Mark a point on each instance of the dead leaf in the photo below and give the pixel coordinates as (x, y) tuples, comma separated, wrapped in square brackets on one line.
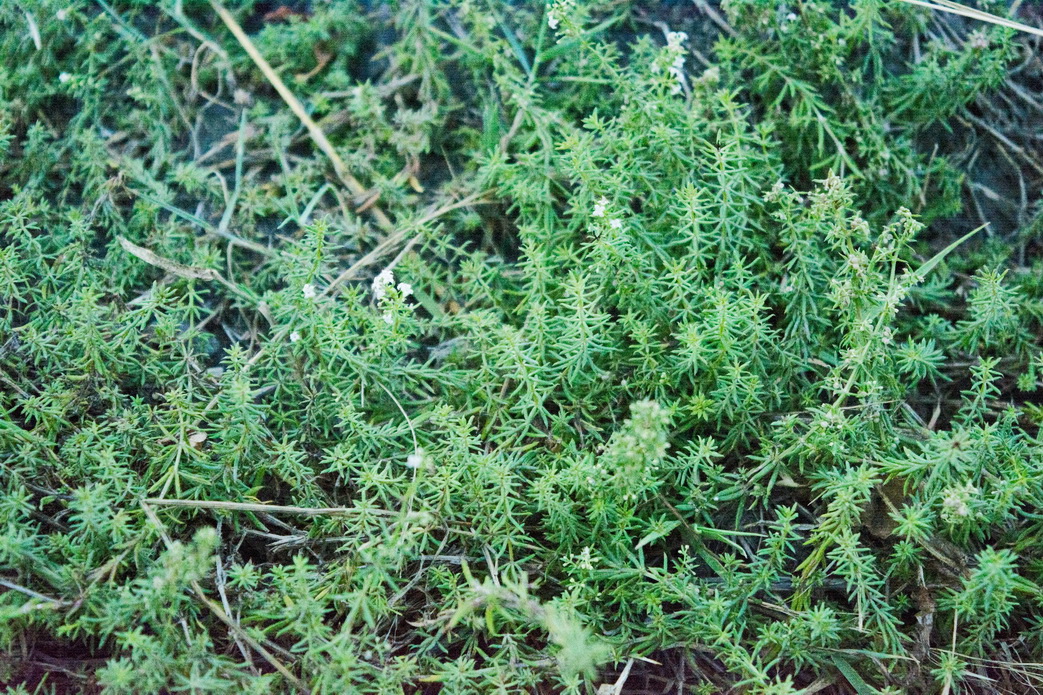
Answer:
[(266, 312), (322, 59), (172, 267), (369, 203), (877, 515), (282, 14)]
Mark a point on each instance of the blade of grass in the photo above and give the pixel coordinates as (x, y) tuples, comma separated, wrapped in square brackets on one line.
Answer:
[(929, 265), (204, 225)]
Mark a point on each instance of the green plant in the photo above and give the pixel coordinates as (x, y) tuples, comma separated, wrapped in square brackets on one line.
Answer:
[(480, 346)]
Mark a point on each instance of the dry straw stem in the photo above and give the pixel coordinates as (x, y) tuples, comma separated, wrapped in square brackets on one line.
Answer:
[(189, 272), (319, 137), (271, 508), (964, 11)]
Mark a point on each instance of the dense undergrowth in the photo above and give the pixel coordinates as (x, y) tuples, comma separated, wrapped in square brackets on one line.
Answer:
[(562, 349)]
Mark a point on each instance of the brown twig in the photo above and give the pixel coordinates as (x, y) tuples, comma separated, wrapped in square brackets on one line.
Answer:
[(715, 17)]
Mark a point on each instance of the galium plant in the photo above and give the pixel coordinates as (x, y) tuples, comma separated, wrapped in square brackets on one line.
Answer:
[(477, 347)]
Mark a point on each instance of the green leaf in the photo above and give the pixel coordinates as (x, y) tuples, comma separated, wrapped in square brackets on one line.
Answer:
[(852, 677), (663, 529)]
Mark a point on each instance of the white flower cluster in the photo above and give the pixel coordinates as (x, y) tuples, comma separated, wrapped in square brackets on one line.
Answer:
[(675, 46), (386, 279), (956, 504), (599, 207), (557, 11), (979, 40), (776, 192), (672, 58), (381, 283), (585, 560), (416, 459), (600, 212)]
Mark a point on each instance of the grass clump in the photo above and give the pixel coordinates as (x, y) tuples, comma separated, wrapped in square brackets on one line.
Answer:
[(487, 347)]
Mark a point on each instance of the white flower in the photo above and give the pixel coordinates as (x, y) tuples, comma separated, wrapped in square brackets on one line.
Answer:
[(382, 282), (676, 38), (405, 288), (955, 505), (294, 337), (775, 191), (64, 77), (675, 51), (416, 459), (309, 291), (558, 11), (791, 17), (586, 559), (386, 277), (388, 318), (599, 208), (62, 14), (615, 224)]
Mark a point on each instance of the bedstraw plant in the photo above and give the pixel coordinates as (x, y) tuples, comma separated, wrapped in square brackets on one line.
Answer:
[(467, 346)]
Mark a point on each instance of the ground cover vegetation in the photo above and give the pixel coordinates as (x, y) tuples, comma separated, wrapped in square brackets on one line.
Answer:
[(465, 346)]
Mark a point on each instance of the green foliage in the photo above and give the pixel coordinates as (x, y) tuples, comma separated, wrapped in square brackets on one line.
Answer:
[(652, 361)]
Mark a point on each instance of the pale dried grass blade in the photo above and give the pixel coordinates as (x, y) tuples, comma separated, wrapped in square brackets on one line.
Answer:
[(972, 13)]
